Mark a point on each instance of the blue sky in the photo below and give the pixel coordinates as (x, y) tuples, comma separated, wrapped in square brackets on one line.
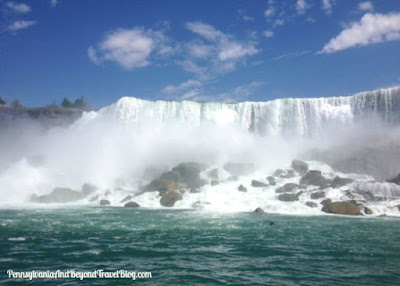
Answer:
[(196, 50)]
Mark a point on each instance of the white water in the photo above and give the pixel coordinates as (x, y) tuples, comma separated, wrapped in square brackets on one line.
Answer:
[(111, 148)]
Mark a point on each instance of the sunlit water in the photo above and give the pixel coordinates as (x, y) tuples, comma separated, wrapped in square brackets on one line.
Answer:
[(183, 247)]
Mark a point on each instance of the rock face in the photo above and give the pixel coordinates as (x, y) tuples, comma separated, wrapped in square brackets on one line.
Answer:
[(326, 201), (343, 208), (105, 203), (288, 197), (271, 180), (59, 195), (239, 169), (340, 182), (300, 167), (315, 178), (259, 210), (242, 188), (311, 204), (368, 211), (289, 187), (169, 199), (127, 198), (395, 180), (131, 205), (317, 195), (258, 184)]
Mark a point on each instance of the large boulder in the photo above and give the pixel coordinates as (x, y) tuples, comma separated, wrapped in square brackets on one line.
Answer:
[(169, 199), (127, 198), (278, 173), (258, 184), (368, 211), (317, 195), (87, 189), (288, 197), (311, 204), (131, 205), (289, 187), (239, 169), (315, 178), (59, 195), (343, 208), (189, 174), (271, 180), (340, 182), (213, 174), (160, 185), (105, 202), (300, 167), (242, 188), (289, 173), (259, 210), (395, 180)]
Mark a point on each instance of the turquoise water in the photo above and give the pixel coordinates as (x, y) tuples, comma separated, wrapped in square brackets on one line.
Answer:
[(200, 248)]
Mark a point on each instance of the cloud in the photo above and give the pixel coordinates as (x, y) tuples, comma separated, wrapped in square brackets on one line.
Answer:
[(365, 6), (301, 7), (130, 48), (18, 8), (327, 6), (371, 29), (268, 33), (247, 89), (291, 55), (244, 16), (206, 31), (271, 9), (173, 89), (54, 3), (20, 25)]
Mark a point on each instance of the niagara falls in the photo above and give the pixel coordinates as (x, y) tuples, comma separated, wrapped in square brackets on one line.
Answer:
[(201, 143)]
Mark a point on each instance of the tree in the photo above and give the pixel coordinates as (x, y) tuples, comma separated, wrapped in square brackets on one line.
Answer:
[(66, 103), (16, 104), (2, 102)]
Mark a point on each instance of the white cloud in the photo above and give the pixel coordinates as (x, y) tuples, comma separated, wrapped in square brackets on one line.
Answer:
[(268, 33), (269, 12), (130, 48), (18, 8), (365, 6), (279, 22), (20, 25), (199, 50), (372, 28), (173, 89), (244, 16), (206, 31), (291, 55), (230, 50), (301, 6), (327, 6), (54, 3), (247, 89)]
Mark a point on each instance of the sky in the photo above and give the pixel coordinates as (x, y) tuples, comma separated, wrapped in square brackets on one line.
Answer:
[(225, 50)]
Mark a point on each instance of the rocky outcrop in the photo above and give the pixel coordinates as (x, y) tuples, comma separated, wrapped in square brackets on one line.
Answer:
[(127, 198), (395, 180), (160, 185), (286, 197), (311, 204), (340, 182), (242, 188), (259, 210), (271, 181), (300, 167), (317, 195), (284, 174), (278, 173), (239, 169), (169, 199), (343, 208), (326, 201), (315, 178), (58, 195), (289, 187), (258, 184), (105, 202), (131, 205), (368, 211)]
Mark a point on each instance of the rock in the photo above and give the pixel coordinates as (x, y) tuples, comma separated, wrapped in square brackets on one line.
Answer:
[(242, 188), (87, 189), (271, 180), (214, 182), (288, 197), (286, 188), (105, 202), (169, 199), (190, 174), (258, 184), (343, 208), (315, 178), (278, 173), (95, 198), (131, 205), (289, 173), (162, 186), (326, 201), (194, 191), (213, 174), (303, 187), (199, 205), (59, 195), (259, 210), (340, 182), (311, 204), (300, 167), (317, 195), (239, 169), (395, 180), (398, 207), (127, 198), (368, 211)]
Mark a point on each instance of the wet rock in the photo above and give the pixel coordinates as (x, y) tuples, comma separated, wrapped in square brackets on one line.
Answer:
[(127, 198), (286, 197), (398, 207), (311, 204), (160, 185), (190, 174), (169, 199), (317, 195), (87, 189), (239, 169), (278, 173), (58, 195), (213, 174), (395, 180), (271, 180), (289, 173), (131, 205), (105, 202), (300, 167), (289, 187), (343, 208), (259, 210), (258, 184), (194, 191), (340, 182), (95, 198), (368, 211), (242, 188), (315, 178), (326, 201), (214, 182)]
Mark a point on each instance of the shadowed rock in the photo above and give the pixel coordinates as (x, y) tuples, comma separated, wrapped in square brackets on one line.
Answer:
[(317, 195), (368, 211), (311, 204), (258, 184), (300, 167), (127, 198), (340, 182), (259, 210), (131, 205), (213, 174), (271, 180), (326, 201), (105, 203), (315, 178), (169, 199), (214, 182), (288, 197), (87, 189), (242, 188), (343, 208), (289, 187), (395, 180)]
